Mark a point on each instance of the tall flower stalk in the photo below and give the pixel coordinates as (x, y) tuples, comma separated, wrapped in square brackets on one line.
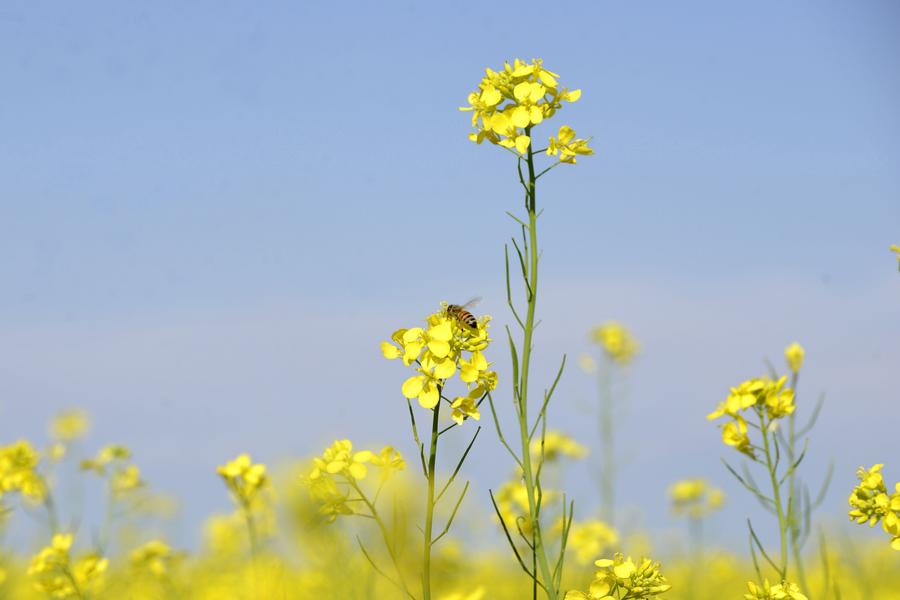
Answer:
[(505, 108), (447, 345), (619, 349)]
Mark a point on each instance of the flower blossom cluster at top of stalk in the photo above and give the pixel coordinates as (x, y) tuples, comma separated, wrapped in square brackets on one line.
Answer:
[(616, 341), (871, 503), (780, 591), (53, 571), (339, 470), (18, 472), (794, 355), (695, 498), (439, 350), (621, 578), (509, 102), (244, 479), (896, 248), (767, 397)]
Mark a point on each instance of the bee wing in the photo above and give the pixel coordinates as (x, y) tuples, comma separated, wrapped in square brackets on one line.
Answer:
[(471, 303)]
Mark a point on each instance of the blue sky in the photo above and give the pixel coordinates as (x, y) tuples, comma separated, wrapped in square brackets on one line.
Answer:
[(210, 216)]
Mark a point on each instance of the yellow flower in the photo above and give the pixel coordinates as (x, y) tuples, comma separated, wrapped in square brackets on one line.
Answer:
[(439, 351), (509, 102), (390, 460), (243, 478), (70, 425), (105, 457), (125, 480), (465, 407), (591, 538), (621, 577), (154, 557), (794, 355), (339, 458), (18, 472), (781, 591), (695, 497), (895, 248), (54, 573), (870, 503), (734, 434), (558, 444), (567, 146), (616, 341)]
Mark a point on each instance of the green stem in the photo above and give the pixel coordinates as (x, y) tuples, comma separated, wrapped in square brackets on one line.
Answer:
[(528, 475), (429, 506), (607, 476), (794, 517), (776, 494)]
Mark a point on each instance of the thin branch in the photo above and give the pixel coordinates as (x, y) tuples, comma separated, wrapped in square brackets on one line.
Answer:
[(796, 464), (761, 549), (412, 418), (458, 467), (753, 490), (452, 515), (548, 394), (813, 417), (500, 433), (382, 573), (513, 544)]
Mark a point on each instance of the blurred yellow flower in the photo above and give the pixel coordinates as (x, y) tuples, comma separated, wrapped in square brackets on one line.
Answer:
[(895, 248), (617, 342), (154, 557), (781, 591), (70, 425), (243, 478), (557, 445), (54, 573), (18, 472), (339, 458), (588, 539), (794, 355), (695, 498)]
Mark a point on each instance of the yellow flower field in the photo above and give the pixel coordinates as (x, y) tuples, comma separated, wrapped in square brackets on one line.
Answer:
[(396, 520)]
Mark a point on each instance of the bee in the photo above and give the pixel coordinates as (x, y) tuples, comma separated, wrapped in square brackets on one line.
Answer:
[(462, 315)]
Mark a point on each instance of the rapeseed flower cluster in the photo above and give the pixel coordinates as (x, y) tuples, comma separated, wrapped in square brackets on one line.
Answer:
[(765, 396), (558, 445), (113, 462), (794, 355), (336, 474), (509, 102), (18, 472), (70, 425), (621, 578), (895, 248), (55, 573), (154, 557), (244, 479), (588, 539), (871, 503), (695, 498), (617, 342), (780, 591), (440, 350)]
